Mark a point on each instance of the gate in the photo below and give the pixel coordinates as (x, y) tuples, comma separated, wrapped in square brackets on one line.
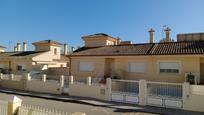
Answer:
[(125, 91), (164, 94), (3, 107)]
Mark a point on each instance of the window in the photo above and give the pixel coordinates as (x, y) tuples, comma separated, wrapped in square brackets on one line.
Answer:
[(86, 66), (55, 51), (137, 67), (169, 67), (20, 67)]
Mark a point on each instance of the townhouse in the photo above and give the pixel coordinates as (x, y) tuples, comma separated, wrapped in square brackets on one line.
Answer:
[(104, 56), (47, 54)]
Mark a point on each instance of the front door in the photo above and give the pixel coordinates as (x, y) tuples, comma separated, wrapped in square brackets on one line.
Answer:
[(202, 73), (109, 67)]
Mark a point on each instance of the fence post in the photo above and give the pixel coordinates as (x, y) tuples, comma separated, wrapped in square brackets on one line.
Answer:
[(27, 76), (44, 78), (71, 79), (108, 87), (11, 77), (185, 90), (142, 92), (1, 76), (62, 80), (88, 81)]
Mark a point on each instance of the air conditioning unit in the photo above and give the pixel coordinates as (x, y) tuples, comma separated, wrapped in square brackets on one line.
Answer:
[(192, 78)]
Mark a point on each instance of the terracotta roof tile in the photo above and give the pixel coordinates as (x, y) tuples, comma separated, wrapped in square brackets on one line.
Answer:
[(134, 49), (168, 48), (178, 48)]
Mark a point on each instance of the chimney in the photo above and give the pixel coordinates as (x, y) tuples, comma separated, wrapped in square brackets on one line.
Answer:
[(151, 35), (18, 47), (25, 45), (72, 49), (118, 41), (65, 49), (15, 49), (167, 31)]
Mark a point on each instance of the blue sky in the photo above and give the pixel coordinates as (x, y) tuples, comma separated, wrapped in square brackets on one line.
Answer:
[(68, 20)]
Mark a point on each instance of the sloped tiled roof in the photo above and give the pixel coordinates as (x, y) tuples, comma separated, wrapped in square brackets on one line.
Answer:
[(168, 48), (134, 49), (17, 54), (47, 41), (96, 35), (175, 48)]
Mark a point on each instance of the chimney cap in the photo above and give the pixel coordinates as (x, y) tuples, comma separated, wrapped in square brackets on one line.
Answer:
[(167, 29), (151, 30)]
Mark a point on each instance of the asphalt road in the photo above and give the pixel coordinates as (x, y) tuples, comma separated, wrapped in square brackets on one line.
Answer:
[(92, 107), (74, 107)]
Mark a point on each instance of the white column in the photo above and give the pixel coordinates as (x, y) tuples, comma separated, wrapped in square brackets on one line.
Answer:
[(27, 76), (108, 87), (62, 80), (1, 76), (44, 78), (71, 79), (186, 90), (88, 81), (142, 92), (11, 77)]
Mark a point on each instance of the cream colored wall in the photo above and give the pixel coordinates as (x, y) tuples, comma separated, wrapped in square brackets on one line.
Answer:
[(2, 50), (15, 61), (99, 41), (50, 51), (44, 87), (42, 48), (83, 90), (98, 67), (5, 63), (57, 64), (58, 56), (194, 101), (47, 56), (95, 43), (188, 64), (26, 62), (12, 84)]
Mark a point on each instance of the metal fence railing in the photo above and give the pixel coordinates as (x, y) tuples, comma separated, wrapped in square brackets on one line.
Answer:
[(15, 77), (37, 110), (3, 107), (80, 80), (171, 90), (127, 86)]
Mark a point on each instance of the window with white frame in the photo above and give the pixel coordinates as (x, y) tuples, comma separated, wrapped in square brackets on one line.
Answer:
[(169, 67), (137, 67), (86, 66)]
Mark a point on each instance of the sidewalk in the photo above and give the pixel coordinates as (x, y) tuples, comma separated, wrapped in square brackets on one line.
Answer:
[(119, 107)]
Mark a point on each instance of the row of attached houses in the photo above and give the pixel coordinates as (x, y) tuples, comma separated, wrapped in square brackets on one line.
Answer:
[(47, 54), (105, 56)]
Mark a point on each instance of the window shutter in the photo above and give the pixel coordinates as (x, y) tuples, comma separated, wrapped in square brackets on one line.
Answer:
[(86, 66)]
